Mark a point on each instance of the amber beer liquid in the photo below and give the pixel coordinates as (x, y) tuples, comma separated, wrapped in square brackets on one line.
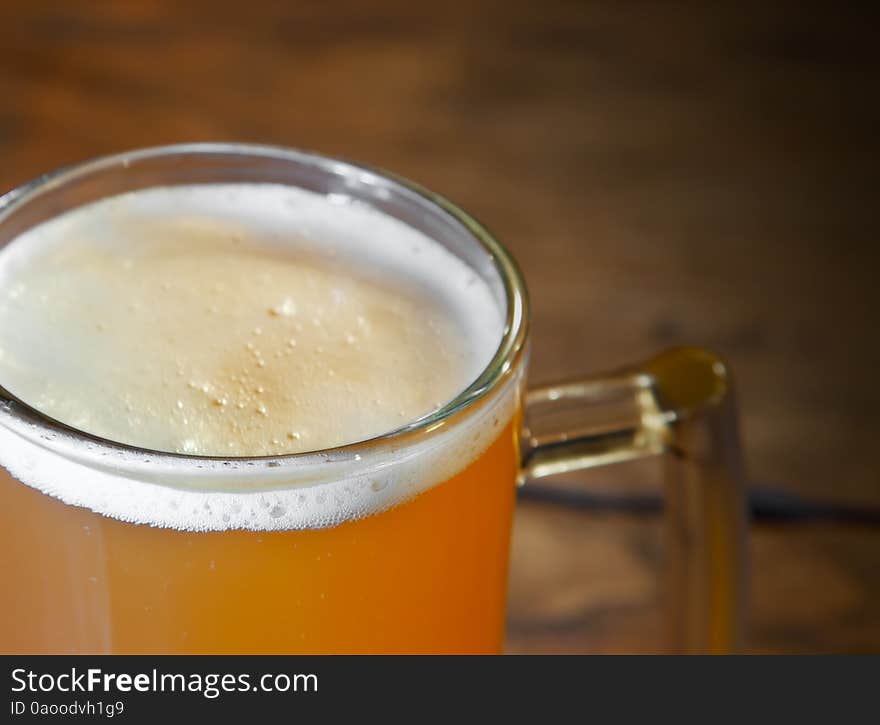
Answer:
[(223, 365)]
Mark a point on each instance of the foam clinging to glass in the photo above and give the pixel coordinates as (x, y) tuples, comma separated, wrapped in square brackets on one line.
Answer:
[(238, 320)]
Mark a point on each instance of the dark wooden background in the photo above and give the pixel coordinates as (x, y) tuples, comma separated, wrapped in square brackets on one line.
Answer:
[(698, 173)]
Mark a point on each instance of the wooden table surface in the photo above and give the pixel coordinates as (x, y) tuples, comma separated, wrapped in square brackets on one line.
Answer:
[(665, 173)]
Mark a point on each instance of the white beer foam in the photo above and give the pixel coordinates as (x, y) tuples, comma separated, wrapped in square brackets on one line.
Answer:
[(238, 320), (89, 338)]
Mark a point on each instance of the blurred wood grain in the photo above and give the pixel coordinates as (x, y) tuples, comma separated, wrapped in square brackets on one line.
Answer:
[(699, 173)]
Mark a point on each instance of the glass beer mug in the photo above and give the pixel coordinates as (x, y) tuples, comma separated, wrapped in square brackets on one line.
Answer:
[(399, 543)]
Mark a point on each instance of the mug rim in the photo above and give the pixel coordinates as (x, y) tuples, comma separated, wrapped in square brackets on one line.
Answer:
[(500, 368)]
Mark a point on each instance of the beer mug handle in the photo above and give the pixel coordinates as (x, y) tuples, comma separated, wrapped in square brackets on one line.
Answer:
[(680, 404)]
